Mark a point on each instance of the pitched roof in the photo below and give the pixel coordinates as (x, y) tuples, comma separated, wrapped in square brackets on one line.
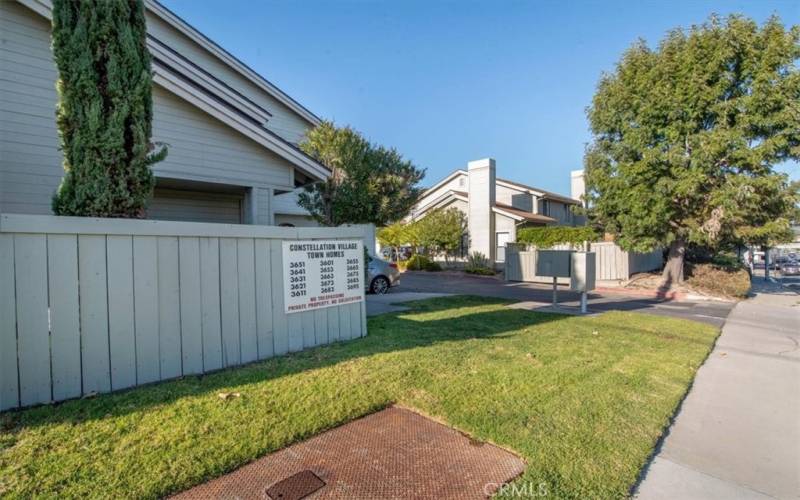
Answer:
[(544, 194), (528, 216), (229, 59), (539, 192), (184, 78)]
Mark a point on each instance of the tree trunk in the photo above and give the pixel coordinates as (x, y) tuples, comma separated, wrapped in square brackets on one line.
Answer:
[(673, 271)]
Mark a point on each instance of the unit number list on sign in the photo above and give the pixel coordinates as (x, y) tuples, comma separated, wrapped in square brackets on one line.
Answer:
[(322, 273)]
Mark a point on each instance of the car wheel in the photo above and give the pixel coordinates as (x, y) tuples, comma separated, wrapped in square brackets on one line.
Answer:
[(379, 285)]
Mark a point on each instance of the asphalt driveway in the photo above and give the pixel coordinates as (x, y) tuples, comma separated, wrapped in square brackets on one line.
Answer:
[(711, 312)]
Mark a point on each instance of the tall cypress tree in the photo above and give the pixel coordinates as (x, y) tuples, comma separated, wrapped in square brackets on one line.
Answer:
[(105, 108)]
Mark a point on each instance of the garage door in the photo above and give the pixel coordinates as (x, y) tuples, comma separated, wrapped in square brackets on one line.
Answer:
[(195, 206)]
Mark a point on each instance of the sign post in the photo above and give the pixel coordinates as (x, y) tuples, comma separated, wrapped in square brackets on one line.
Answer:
[(322, 273)]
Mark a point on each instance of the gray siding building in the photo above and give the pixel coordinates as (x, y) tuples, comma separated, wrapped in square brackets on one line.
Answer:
[(232, 135)]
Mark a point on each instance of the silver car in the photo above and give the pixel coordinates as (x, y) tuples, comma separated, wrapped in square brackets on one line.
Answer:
[(381, 275), (790, 268)]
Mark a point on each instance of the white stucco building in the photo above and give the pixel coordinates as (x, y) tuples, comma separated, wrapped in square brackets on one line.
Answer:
[(495, 207)]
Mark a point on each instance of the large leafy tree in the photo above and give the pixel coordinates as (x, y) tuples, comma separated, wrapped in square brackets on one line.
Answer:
[(395, 235), (368, 183), (105, 108), (686, 137), (441, 230)]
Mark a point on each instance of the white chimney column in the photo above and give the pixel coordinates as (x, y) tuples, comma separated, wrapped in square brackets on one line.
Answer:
[(577, 184), (481, 200)]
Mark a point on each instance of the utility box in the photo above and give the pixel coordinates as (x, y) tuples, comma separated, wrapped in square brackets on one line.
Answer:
[(554, 263), (583, 271)]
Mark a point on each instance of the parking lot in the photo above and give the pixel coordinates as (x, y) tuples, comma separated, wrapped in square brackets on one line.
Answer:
[(712, 312)]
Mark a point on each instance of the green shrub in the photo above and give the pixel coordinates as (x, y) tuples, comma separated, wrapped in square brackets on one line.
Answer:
[(717, 280), (727, 261), (477, 259), (549, 236), (482, 271), (419, 262), (432, 266), (477, 263), (105, 108)]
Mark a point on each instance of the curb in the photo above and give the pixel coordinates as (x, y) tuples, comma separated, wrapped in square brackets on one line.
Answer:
[(650, 294)]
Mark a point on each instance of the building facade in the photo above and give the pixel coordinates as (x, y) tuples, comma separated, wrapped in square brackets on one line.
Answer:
[(495, 208), (232, 135)]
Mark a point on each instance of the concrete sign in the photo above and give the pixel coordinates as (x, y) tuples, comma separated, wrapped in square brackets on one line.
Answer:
[(322, 273)]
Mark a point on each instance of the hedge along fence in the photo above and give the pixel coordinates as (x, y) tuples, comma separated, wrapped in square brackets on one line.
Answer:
[(96, 305)]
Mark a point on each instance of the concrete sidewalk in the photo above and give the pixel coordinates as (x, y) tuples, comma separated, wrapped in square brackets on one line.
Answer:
[(737, 434)]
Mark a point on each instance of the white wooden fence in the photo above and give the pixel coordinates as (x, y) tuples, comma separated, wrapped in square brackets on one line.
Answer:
[(521, 265), (96, 305), (612, 263)]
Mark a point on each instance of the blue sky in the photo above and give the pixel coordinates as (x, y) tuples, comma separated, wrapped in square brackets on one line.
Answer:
[(449, 82)]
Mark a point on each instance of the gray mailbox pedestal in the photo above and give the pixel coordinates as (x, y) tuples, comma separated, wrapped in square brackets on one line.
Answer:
[(582, 277), (555, 263)]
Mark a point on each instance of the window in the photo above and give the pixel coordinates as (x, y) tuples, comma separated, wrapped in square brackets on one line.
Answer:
[(461, 181), (463, 247), (501, 239), (546, 207)]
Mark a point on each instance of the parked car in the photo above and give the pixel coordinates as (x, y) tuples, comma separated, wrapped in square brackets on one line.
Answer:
[(778, 262), (392, 255), (790, 268), (381, 275)]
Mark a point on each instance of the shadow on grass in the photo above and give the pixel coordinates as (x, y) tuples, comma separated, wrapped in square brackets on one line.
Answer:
[(387, 333)]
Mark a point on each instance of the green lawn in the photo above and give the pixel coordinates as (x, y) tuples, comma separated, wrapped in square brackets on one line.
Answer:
[(582, 399)]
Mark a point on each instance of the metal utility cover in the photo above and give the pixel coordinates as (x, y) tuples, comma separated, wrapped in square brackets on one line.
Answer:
[(394, 453), (296, 486)]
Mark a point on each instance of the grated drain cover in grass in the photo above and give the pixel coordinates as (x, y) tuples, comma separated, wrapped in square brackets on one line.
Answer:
[(296, 486), (394, 453)]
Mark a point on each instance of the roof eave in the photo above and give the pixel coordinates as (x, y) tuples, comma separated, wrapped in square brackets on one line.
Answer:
[(271, 141), (229, 59)]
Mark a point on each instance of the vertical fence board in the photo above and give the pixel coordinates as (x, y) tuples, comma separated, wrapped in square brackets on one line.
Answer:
[(145, 300), (121, 334), (65, 325), (9, 383), (344, 322), (263, 298), (92, 273), (355, 319), (321, 326), (247, 299), (209, 298), (229, 301), (280, 326), (191, 313), (295, 331), (33, 335), (333, 324), (307, 318), (169, 307), (363, 307)]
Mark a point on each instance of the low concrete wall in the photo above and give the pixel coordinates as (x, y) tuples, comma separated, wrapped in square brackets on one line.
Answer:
[(95, 305)]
